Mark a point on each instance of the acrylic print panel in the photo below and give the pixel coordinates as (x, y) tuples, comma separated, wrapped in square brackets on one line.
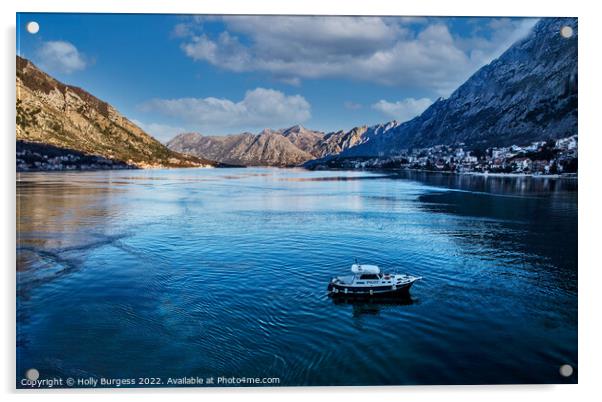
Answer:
[(222, 201)]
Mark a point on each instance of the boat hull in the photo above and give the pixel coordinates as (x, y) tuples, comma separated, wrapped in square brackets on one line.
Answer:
[(337, 290)]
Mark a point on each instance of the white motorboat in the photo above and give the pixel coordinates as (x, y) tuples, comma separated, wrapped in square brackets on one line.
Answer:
[(368, 280)]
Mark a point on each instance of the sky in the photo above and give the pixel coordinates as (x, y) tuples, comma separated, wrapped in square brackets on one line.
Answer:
[(221, 75)]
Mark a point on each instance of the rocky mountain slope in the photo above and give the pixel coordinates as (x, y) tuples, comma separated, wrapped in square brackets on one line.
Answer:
[(284, 147), (67, 117), (339, 141), (528, 94), (303, 138), (268, 148)]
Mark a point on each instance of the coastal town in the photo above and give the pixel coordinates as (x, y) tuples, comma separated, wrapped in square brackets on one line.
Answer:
[(552, 157), (44, 157)]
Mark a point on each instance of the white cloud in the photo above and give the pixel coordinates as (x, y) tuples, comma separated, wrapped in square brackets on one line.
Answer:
[(504, 32), (259, 108), (60, 56), (161, 132), (385, 50), (403, 110)]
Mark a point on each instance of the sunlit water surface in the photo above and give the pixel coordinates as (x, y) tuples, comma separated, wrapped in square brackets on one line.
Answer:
[(223, 272)]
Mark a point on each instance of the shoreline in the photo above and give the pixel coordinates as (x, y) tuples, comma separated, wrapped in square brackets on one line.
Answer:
[(510, 175), (534, 176), (569, 176)]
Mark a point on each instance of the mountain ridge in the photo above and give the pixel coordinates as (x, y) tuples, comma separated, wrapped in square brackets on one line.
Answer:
[(268, 148), (68, 117), (307, 144), (529, 93)]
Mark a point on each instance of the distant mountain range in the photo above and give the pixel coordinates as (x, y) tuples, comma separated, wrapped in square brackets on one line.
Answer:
[(283, 147), (528, 94), (266, 148), (67, 118)]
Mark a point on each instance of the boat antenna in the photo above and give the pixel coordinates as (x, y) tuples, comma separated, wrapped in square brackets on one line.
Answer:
[(356, 261)]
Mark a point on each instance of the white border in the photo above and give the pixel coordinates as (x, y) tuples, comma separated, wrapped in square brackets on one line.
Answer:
[(349, 7), (590, 145)]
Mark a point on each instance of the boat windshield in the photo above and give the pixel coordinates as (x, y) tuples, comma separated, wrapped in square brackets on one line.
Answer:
[(368, 276)]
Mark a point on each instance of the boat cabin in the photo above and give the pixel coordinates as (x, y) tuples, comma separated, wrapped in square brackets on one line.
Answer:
[(367, 274), (365, 269)]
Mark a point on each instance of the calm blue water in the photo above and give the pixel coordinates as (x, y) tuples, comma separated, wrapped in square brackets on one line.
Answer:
[(222, 272)]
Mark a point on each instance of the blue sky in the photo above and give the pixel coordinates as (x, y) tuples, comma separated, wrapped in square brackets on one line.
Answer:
[(220, 75)]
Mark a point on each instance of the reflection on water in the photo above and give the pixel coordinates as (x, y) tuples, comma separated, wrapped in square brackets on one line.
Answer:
[(373, 305), (509, 185), (211, 272), (336, 178)]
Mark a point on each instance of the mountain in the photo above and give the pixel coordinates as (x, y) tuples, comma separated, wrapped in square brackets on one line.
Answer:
[(66, 117), (268, 148), (339, 141), (284, 147), (303, 138), (528, 94)]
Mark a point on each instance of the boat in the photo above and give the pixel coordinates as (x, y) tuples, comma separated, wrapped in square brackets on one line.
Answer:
[(368, 280)]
